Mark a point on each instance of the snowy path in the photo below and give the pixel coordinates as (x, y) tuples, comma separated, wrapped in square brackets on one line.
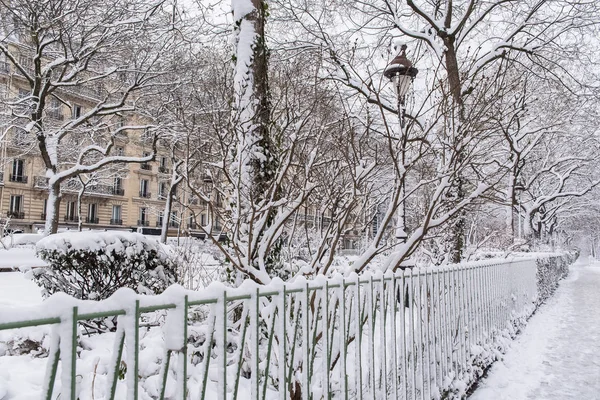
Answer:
[(558, 354)]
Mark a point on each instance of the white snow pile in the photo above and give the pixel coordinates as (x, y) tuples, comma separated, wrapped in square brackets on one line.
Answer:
[(21, 240)]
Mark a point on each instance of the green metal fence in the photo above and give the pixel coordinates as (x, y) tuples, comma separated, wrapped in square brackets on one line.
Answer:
[(415, 334)]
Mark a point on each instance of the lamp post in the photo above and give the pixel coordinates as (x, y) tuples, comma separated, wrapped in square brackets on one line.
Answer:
[(401, 72)]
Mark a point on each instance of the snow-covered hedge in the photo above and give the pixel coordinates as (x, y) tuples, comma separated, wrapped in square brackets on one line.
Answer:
[(550, 271), (93, 265)]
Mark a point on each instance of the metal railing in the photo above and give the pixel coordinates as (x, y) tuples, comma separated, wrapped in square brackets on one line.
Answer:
[(406, 335), (15, 214), (18, 178), (74, 185)]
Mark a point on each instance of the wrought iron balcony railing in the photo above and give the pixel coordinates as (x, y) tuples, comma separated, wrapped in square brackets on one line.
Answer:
[(18, 178), (16, 214)]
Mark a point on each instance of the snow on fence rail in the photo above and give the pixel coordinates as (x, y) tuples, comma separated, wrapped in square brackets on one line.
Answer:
[(415, 334)]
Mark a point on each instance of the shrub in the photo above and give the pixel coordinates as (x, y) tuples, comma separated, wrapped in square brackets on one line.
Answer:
[(93, 265), (550, 271)]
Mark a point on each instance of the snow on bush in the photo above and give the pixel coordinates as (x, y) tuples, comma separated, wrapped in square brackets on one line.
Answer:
[(550, 271), (93, 265)]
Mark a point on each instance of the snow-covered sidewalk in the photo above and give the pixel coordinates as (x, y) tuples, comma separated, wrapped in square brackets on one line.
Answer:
[(558, 354)]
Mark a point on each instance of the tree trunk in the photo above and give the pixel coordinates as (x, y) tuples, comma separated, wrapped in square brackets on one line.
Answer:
[(459, 223), (166, 216), (264, 169), (79, 198), (52, 208)]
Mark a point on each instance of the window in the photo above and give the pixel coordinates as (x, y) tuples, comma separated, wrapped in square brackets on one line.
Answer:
[(144, 184), (24, 101), (173, 221), (71, 211), (20, 137), (203, 219), (159, 221), (3, 90), (18, 171), (26, 62), (77, 111), (16, 206), (119, 151), (92, 217), (54, 111), (116, 215), (162, 190), (118, 186), (3, 64), (143, 217), (145, 165), (163, 162), (44, 210)]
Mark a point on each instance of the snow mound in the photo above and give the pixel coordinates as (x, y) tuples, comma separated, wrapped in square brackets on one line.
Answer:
[(21, 239)]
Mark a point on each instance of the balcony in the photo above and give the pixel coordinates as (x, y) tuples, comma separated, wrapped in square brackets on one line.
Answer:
[(192, 225), (16, 214), (146, 167), (162, 196), (143, 222), (18, 178), (145, 195), (71, 218), (116, 222), (158, 223), (163, 170), (87, 91), (74, 185), (91, 220), (173, 224)]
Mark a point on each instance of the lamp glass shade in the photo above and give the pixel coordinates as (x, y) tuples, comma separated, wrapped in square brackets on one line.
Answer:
[(403, 84)]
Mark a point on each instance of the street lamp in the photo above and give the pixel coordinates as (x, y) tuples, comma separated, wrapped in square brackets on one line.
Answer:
[(402, 73)]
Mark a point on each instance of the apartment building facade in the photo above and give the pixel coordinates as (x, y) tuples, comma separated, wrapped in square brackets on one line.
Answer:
[(126, 196)]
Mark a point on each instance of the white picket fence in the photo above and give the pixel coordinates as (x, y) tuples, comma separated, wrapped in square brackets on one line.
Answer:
[(414, 334)]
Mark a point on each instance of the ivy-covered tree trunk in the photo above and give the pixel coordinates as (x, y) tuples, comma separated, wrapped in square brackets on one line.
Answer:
[(255, 163)]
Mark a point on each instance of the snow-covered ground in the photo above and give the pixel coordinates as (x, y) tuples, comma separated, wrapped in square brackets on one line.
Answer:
[(558, 354), (19, 257), (17, 290)]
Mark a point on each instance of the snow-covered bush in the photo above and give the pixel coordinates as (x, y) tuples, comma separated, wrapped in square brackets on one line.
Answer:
[(550, 270), (93, 265)]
